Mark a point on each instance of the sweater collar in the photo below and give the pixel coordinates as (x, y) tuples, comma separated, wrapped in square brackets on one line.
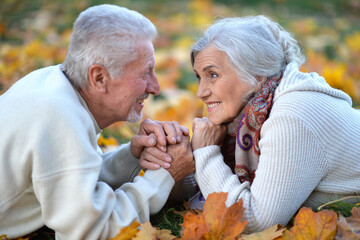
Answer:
[(83, 103)]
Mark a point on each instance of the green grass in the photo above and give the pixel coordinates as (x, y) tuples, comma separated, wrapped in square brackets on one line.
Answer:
[(169, 218)]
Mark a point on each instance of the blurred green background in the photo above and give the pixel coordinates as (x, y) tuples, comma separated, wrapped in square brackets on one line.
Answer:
[(35, 33)]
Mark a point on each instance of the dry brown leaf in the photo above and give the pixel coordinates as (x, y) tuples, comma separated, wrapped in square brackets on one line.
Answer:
[(349, 228), (147, 232), (309, 225), (268, 234), (216, 221), (164, 234), (127, 233)]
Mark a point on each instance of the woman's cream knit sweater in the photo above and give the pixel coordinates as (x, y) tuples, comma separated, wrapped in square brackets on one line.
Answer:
[(310, 153)]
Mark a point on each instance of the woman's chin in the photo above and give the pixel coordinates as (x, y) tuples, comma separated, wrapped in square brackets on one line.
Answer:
[(217, 121)]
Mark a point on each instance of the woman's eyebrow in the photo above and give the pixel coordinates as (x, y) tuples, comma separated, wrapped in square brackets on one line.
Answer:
[(210, 66)]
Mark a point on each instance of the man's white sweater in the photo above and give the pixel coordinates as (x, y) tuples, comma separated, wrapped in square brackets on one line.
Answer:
[(51, 172), (309, 154)]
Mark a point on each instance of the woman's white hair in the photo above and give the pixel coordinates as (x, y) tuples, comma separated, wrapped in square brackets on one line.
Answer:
[(255, 45), (106, 35)]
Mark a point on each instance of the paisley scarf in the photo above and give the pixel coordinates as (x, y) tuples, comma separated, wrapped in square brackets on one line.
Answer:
[(245, 131)]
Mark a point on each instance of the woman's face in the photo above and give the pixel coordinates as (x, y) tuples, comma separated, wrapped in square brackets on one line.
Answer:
[(220, 87)]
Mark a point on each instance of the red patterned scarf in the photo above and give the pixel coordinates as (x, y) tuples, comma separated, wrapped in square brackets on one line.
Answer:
[(245, 130)]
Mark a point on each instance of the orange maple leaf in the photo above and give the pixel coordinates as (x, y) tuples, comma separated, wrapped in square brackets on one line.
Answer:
[(216, 221), (349, 228), (310, 225)]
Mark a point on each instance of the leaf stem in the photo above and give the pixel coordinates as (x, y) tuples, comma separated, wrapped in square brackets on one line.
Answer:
[(337, 200)]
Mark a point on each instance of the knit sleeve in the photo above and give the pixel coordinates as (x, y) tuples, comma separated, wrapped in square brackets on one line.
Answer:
[(115, 162), (65, 178), (291, 165)]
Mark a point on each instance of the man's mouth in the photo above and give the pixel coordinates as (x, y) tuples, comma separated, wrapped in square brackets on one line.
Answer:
[(141, 99)]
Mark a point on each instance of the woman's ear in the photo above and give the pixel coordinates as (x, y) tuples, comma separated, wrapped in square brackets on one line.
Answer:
[(261, 79), (259, 82), (98, 77)]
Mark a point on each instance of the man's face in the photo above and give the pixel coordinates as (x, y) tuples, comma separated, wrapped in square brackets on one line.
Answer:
[(128, 91)]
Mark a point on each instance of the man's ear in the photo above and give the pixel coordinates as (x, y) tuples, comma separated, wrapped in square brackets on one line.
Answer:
[(98, 77)]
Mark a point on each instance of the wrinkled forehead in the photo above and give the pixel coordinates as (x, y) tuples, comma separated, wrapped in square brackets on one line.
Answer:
[(210, 56)]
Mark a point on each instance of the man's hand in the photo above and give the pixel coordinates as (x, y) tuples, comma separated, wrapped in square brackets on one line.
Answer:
[(205, 133), (164, 132), (182, 159), (153, 157)]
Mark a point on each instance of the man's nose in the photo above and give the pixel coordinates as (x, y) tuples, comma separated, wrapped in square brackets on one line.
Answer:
[(153, 86)]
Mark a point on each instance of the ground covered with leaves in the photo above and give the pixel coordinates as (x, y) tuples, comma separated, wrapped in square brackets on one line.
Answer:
[(218, 222)]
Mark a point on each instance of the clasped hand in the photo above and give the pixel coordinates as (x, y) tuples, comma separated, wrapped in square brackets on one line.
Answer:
[(167, 144)]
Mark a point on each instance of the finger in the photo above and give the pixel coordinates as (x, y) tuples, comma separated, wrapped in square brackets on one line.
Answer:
[(145, 141), (149, 127), (194, 123), (185, 131), (158, 154), (138, 142), (147, 157), (169, 131), (148, 165), (178, 131)]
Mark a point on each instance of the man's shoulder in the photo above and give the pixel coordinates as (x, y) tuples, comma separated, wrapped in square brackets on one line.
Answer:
[(44, 94)]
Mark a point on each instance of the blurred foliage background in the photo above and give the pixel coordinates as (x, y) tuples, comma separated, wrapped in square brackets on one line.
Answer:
[(35, 33)]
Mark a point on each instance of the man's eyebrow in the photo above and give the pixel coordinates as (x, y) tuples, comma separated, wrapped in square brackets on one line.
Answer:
[(210, 66)]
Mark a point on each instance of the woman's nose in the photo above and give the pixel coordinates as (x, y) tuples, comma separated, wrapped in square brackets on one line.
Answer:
[(203, 90)]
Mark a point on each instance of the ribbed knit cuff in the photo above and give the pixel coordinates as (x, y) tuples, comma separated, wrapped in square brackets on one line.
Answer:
[(126, 152), (209, 169), (202, 155), (161, 178)]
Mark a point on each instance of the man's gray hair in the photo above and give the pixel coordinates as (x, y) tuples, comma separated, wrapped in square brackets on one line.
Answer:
[(255, 45), (106, 35)]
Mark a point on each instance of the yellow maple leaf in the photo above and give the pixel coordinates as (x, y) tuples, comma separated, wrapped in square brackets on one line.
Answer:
[(127, 233), (164, 234), (268, 234), (147, 232), (216, 221), (310, 225)]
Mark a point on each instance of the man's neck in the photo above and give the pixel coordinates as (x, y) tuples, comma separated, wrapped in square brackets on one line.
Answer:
[(95, 108)]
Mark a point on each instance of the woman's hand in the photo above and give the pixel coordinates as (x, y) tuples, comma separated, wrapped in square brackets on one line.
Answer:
[(205, 133)]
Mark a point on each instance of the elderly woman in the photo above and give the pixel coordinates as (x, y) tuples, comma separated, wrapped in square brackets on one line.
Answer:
[(275, 137)]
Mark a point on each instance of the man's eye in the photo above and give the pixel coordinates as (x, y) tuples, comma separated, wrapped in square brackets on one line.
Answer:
[(214, 75), (198, 77)]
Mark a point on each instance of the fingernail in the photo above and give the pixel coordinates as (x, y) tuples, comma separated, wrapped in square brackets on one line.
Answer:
[(173, 139), (178, 138), (156, 166), (168, 159), (152, 141), (166, 165), (163, 148)]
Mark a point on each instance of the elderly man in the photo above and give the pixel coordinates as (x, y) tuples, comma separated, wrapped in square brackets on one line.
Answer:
[(51, 170)]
